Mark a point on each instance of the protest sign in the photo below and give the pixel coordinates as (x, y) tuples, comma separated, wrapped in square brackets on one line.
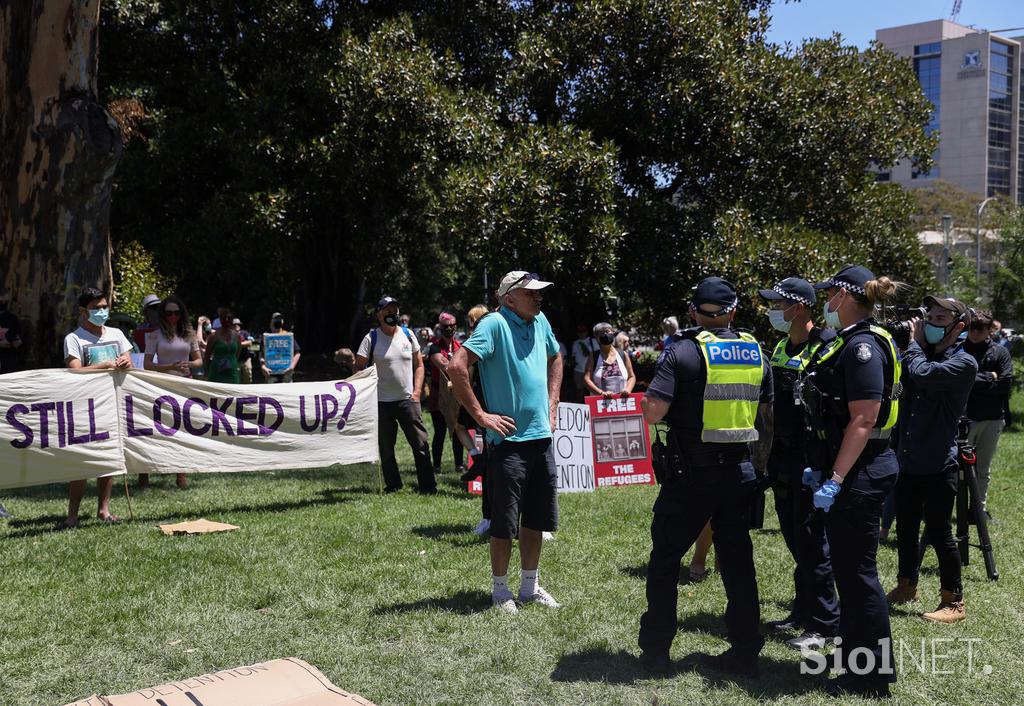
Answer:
[(622, 448), (58, 426), (177, 425), (278, 351), (574, 454), (574, 451), (280, 682), (61, 425), (200, 526)]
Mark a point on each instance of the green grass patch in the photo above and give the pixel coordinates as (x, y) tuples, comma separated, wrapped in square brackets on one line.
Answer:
[(389, 596)]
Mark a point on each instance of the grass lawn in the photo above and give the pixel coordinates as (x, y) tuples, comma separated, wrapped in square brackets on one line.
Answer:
[(389, 597)]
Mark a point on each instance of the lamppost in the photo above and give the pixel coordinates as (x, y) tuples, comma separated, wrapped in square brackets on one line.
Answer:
[(977, 243), (947, 233)]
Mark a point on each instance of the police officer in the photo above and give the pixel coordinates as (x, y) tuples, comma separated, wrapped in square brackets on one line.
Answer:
[(815, 609), (850, 396), (711, 385)]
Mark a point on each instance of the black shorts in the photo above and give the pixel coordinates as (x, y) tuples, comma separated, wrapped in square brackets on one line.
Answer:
[(523, 484)]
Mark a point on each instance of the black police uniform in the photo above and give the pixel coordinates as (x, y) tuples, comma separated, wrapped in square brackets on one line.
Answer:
[(815, 606), (718, 484), (859, 371)]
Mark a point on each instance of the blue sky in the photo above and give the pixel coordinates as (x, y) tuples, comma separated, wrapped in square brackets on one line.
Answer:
[(857, 20)]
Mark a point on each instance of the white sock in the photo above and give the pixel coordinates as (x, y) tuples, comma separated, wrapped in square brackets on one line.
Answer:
[(528, 586), (499, 584)]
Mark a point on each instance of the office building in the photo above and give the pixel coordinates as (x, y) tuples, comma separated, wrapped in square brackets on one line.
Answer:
[(973, 79)]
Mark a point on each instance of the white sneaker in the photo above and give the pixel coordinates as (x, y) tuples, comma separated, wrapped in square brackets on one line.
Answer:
[(504, 602), (482, 527), (548, 535), (540, 596)]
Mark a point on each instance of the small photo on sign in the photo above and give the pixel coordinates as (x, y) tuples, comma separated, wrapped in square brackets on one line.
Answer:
[(101, 352), (620, 438)]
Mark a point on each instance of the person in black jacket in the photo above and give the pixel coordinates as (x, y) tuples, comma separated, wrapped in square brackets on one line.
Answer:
[(937, 379), (989, 396)]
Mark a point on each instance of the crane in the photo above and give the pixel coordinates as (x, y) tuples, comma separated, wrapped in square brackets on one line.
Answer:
[(956, 10)]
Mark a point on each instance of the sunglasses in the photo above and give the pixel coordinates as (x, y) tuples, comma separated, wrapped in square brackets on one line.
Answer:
[(525, 278), (172, 314)]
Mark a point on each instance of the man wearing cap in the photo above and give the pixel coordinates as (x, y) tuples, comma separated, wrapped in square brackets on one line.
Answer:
[(938, 376), (520, 371), (439, 354), (395, 352), (815, 610), (151, 320), (714, 388)]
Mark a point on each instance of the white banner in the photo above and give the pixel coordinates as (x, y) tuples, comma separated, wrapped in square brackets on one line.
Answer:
[(61, 425), (574, 450)]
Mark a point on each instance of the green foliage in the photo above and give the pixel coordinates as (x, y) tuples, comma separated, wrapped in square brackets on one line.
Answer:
[(310, 156), (136, 274), (1008, 288)]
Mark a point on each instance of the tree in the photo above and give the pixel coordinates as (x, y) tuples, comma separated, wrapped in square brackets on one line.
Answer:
[(1008, 289), (58, 150)]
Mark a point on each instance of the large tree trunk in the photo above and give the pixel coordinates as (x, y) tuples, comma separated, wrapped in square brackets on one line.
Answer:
[(58, 151)]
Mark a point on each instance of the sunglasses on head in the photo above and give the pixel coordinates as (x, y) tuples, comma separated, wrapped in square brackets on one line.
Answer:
[(525, 278)]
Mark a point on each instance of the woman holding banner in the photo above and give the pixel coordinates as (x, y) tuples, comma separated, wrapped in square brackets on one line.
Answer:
[(175, 346)]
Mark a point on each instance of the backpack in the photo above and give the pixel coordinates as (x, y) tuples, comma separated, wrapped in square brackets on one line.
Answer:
[(373, 342)]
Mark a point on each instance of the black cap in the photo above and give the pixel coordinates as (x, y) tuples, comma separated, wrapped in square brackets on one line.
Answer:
[(715, 290), (385, 302), (851, 277), (794, 288), (948, 303)]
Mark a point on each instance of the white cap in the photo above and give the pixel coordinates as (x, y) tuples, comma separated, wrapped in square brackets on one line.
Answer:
[(149, 301), (518, 279)]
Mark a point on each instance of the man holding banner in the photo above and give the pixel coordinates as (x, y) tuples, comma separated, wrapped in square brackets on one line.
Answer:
[(93, 345), (521, 374)]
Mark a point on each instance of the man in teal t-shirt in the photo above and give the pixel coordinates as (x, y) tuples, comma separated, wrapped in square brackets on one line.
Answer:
[(521, 373)]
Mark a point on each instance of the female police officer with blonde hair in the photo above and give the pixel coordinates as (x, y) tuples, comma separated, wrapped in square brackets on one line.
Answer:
[(850, 396)]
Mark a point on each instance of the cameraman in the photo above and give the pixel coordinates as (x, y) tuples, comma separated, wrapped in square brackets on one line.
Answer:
[(989, 396), (937, 376)]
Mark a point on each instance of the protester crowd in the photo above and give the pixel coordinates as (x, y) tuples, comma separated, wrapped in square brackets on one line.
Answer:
[(843, 405)]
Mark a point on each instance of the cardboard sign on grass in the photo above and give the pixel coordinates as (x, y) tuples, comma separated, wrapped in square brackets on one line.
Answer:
[(281, 682)]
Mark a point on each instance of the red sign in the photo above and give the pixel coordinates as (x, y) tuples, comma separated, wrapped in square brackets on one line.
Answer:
[(622, 446), (475, 486)]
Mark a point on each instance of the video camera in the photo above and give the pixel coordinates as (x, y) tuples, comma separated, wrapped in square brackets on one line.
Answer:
[(897, 322)]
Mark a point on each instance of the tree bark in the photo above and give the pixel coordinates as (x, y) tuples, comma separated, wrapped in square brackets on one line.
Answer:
[(58, 151)]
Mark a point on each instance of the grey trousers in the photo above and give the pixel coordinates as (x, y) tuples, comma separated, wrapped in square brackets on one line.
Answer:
[(984, 435), (407, 415)]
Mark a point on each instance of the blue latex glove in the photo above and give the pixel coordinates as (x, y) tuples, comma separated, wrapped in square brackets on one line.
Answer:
[(811, 478), (826, 495)]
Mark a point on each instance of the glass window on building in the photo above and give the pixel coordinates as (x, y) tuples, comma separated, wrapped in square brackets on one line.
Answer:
[(1000, 115), (928, 68)]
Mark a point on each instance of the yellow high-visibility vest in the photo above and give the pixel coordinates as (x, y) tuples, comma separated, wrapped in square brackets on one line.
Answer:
[(733, 387), (890, 410)]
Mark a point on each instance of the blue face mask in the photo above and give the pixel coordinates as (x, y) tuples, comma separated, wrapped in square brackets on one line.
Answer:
[(98, 317), (933, 334), (832, 319), (777, 318)]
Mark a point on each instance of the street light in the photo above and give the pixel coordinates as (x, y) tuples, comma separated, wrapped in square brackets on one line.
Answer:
[(977, 243), (947, 232)]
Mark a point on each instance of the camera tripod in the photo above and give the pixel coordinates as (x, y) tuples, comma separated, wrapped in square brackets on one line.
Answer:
[(968, 508)]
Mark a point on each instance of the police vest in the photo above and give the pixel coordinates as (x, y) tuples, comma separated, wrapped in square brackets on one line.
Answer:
[(733, 387), (797, 363), (828, 355)]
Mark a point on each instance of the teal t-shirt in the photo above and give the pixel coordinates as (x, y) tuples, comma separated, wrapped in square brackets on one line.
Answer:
[(513, 369)]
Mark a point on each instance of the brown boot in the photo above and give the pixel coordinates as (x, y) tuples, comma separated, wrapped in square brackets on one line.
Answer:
[(905, 592), (951, 609)]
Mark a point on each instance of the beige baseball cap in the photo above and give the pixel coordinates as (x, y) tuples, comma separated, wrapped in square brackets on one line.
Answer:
[(518, 279)]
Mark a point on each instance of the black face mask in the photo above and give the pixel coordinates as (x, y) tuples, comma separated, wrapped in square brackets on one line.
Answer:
[(448, 331), (391, 319), (606, 338)]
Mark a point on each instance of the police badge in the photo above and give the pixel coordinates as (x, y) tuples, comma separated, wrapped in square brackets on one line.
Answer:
[(863, 352)]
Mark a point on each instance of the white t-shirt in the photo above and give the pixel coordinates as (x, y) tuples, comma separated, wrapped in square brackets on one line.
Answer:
[(76, 342), (393, 357)]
